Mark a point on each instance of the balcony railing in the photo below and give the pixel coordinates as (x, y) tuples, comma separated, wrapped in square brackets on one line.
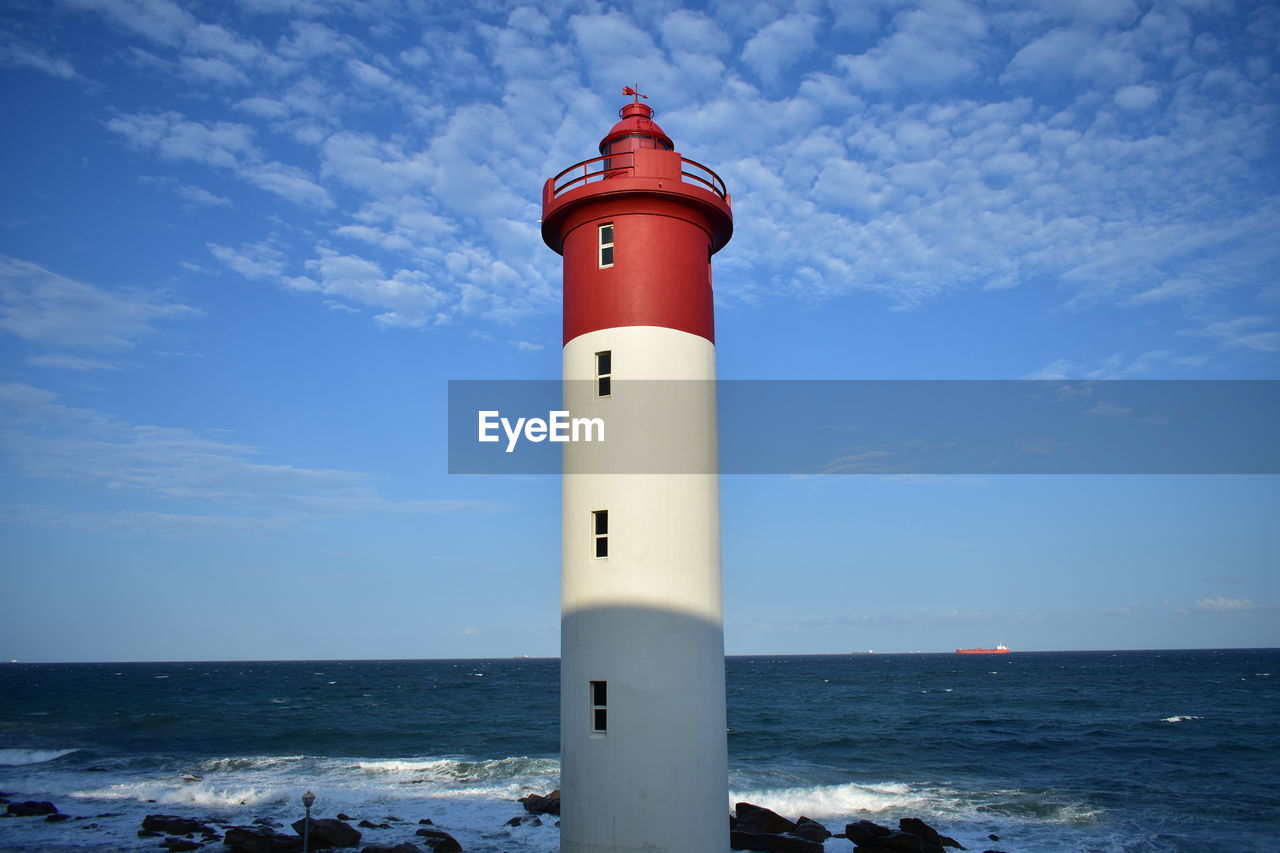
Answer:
[(623, 165)]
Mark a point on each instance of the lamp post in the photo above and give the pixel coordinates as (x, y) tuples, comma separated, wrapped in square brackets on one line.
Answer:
[(307, 799)]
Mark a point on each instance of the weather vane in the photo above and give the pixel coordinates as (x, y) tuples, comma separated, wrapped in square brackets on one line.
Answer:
[(627, 90)]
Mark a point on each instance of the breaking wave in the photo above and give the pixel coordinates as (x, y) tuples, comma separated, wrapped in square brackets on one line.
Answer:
[(19, 757)]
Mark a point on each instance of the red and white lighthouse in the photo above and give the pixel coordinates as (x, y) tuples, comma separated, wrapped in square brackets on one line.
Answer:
[(643, 749)]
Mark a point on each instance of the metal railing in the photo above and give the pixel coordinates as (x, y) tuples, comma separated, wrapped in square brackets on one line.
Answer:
[(623, 165)]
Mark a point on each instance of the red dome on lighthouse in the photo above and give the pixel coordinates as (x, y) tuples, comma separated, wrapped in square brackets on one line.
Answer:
[(636, 130)]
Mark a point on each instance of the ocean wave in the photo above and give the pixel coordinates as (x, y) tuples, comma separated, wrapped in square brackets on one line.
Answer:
[(19, 757), (247, 763), (450, 770), (203, 794), (836, 801), (1181, 718)]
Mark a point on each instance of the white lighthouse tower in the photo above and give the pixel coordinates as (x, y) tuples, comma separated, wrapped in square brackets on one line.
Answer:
[(643, 748)]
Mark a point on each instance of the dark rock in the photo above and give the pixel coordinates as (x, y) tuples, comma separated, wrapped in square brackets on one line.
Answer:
[(752, 818), (31, 808), (993, 837), (180, 844), (327, 832), (439, 841), (261, 839), (149, 833), (392, 817), (898, 840), (916, 826), (426, 821), (811, 829), (865, 832), (57, 817), (174, 825), (769, 843), (342, 816), (368, 824), (535, 804), (524, 820)]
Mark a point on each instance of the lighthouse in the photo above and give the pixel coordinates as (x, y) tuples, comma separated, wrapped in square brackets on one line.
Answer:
[(644, 763)]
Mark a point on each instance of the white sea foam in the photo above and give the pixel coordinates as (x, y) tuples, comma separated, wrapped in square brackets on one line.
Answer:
[(199, 793), (1180, 719), (19, 757), (835, 801)]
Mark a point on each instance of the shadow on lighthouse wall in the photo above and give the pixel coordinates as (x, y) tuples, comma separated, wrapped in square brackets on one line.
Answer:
[(652, 772)]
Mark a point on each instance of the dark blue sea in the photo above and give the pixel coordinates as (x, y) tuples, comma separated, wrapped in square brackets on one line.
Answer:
[(1142, 752)]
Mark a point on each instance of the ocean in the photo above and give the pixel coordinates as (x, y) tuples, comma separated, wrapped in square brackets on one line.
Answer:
[(1134, 751)]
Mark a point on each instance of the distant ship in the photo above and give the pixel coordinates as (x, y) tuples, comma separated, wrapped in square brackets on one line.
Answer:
[(1001, 649)]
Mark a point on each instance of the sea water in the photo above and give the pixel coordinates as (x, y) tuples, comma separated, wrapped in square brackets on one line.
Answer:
[(1144, 752)]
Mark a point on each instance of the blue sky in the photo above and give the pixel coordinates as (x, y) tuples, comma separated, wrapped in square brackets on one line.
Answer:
[(246, 244)]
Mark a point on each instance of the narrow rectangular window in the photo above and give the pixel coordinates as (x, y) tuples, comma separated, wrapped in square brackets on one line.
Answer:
[(606, 245), (600, 531), (604, 373), (600, 706)]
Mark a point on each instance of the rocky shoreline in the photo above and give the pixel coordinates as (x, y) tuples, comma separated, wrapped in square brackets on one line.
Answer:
[(751, 828)]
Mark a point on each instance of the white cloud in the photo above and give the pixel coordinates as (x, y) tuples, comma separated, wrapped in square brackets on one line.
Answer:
[(929, 47), (225, 145), (161, 21), (1136, 98), (42, 307), (1246, 333), (1224, 605), (172, 136), (255, 261), (780, 45), (14, 54), (63, 361), (48, 439)]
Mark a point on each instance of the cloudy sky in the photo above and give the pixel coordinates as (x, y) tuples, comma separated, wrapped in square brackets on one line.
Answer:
[(246, 244)]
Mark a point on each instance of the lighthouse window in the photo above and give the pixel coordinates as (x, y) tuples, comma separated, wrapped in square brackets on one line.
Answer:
[(599, 706), (604, 373), (600, 531), (606, 245)]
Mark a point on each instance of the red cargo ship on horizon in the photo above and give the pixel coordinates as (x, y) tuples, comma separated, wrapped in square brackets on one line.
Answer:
[(1001, 649)]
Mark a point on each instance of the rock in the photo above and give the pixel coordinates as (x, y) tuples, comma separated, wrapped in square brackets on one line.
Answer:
[(439, 841), (751, 818), (149, 833), (266, 821), (392, 818), (261, 839), (327, 832), (368, 824), (174, 825), (405, 847), (426, 821), (524, 820), (180, 844), (57, 817), (865, 832), (535, 804), (811, 829), (916, 826), (898, 841), (770, 843), (31, 808), (342, 816)]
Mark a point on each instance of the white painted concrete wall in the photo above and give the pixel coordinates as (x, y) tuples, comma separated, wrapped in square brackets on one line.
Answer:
[(649, 618)]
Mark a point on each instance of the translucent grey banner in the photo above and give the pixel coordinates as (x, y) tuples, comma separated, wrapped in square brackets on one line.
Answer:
[(865, 427)]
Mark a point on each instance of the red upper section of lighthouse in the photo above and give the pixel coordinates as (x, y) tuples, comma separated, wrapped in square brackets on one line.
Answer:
[(663, 215), (636, 130)]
